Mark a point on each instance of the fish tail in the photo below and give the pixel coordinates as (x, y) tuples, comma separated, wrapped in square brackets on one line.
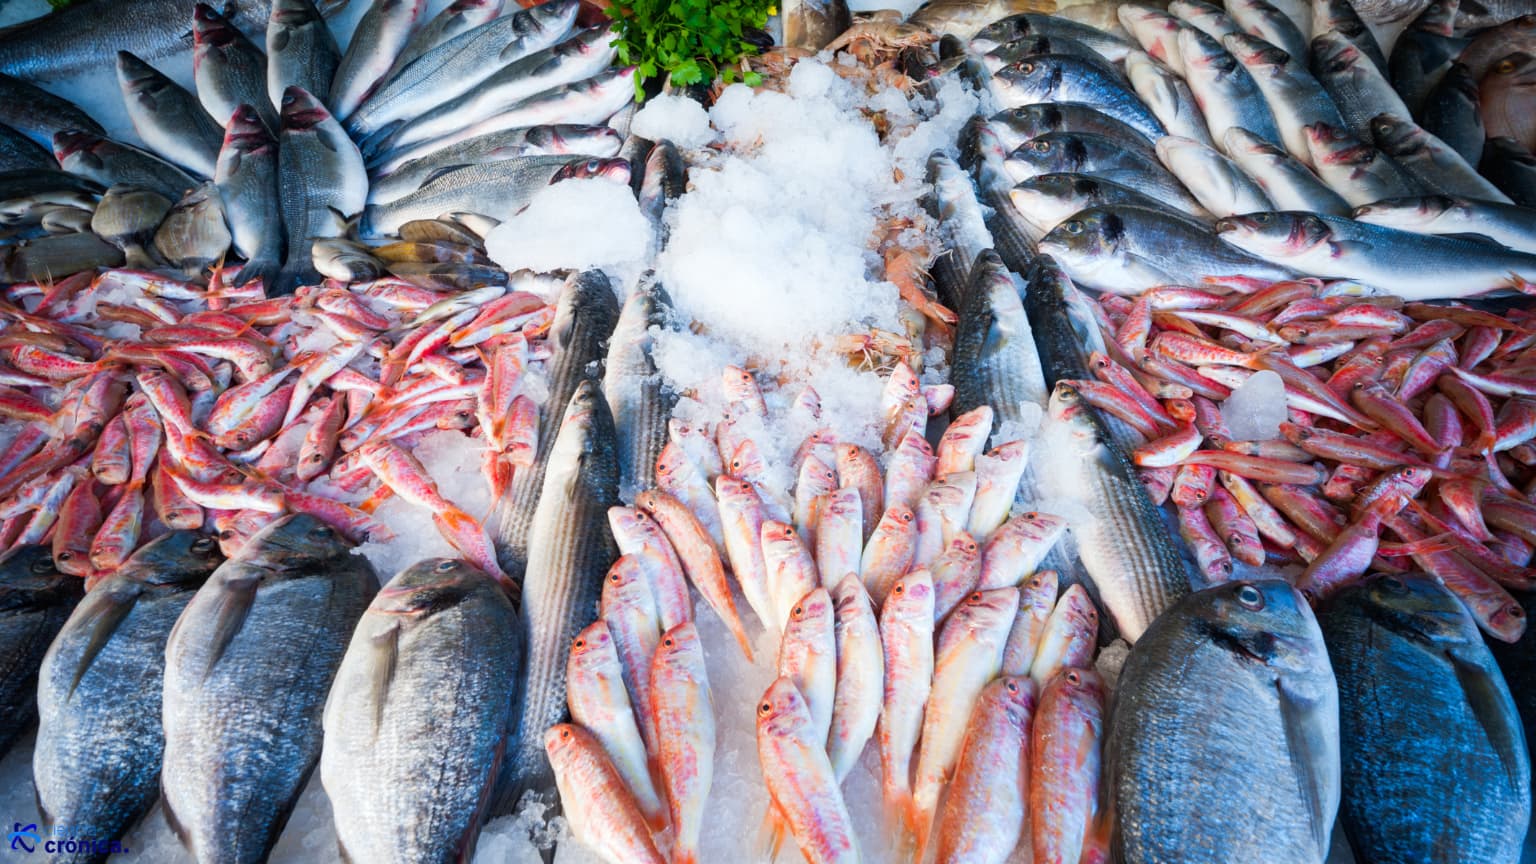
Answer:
[(772, 833), (740, 632)]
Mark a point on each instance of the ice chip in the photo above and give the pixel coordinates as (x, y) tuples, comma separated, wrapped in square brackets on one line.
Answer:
[(1255, 410), (676, 118)]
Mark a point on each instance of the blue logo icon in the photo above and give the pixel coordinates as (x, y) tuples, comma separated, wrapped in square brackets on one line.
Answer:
[(25, 839)]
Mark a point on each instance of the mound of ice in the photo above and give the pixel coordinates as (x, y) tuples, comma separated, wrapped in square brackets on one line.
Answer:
[(576, 224), (1255, 410), (676, 118)]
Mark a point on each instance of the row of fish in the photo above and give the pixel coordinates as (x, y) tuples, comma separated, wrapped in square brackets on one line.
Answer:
[(281, 157)]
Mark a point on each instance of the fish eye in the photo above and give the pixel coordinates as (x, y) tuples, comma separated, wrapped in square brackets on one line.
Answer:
[(1251, 597), (42, 565), (1073, 677), (1264, 218), (905, 517), (799, 611), (976, 597), (324, 532), (580, 644), (1027, 67), (565, 734), (765, 708), (900, 589), (444, 566), (1072, 226), (1394, 585), (1040, 146), (1515, 610), (66, 555), (667, 641), (1505, 66), (227, 534), (202, 545), (594, 164), (1013, 686)]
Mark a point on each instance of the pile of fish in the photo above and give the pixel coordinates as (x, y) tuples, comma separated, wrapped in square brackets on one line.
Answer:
[(1142, 155), (286, 157)]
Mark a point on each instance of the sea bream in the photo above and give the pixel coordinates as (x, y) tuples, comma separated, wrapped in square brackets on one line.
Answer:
[(35, 601)]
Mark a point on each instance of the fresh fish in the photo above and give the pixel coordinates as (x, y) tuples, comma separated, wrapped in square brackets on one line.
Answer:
[(1156, 31), (1507, 224), (1265, 21), (812, 24), (321, 182), (1295, 98), (1224, 90), (1423, 52), (247, 668), (1430, 161), (683, 708), (36, 600), (1211, 20), (455, 18), (984, 808), (995, 361), (457, 65), (638, 400), (426, 689), (495, 189), (1451, 113), (1411, 266), (1037, 46), (1507, 97), (127, 217), (569, 551), (96, 764), (803, 791), (1512, 168), (1064, 78), (1113, 47), (301, 52), (1356, 170), (246, 175), (397, 178), (194, 234), (602, 812), (964, 18), (585, 316), (1218, 183), (1167, 95), (860, 675), (381, 33), (906, 640), (1064, 334), (1125, 548), (1359, 89), (1339, 17), (87, 34), (1064, 767), (38, 114), (108, 162), (1129, 249), (664, 180), (1006, 228), (1014, 126), (1105, 158), (575, 59), (1288, 182), (1263, 731), (1047, 200), (167, 117), (1424, 713), (227, 68)]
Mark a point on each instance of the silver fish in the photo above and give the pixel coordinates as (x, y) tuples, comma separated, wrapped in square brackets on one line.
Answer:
[(426, 689), (1218, 183), (961, 225), (108, 162), (1293, 95), (1261, 19), (1063, 78), (1263, 731), (36, 600), (96, 764), (964, 18), (53, 257), (457, 65), (995, 361), (380, 34), (569, 551), (1224, 90), (1111, 46), (321, 180), (1356, 170), (1412, 266), (1009, 233), (1097, 156), (336, 258), (228, 69), (1014, 126), (1507, 224), (1047, 200), (1431, 161), (1213, 21), (1156, 31), (1451, 113), (1427, 726), (455, 18), (637, 398), (1338, 16), (247, 668), (167, 117), (38, 114), (301, 52), (1358, 87), (397, 178), (246, 175), (1167, 95), (1287, 182)]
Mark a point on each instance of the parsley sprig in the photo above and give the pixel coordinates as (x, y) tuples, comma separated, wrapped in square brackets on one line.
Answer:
[(687, 41)]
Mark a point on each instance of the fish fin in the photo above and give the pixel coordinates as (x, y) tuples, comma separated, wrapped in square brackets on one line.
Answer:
[(1473, 236), (172, 820), (1495, 713), (341, 851), (234, 604), (112, 614), (443, 172), (1302, 739), (1439, 543), (386, 651), (772, 832)]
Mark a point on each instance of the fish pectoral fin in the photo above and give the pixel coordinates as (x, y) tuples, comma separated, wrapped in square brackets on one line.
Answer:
[(234, 604), (1495, 713), (771, 834), (1305, 740), (110, 616), (386, 654)]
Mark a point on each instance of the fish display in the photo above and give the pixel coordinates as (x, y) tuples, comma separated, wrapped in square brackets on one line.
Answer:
[(1144, 433)]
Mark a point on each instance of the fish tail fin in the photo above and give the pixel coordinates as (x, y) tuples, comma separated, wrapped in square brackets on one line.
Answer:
[(771, 835), (740, 632), (379, 496)]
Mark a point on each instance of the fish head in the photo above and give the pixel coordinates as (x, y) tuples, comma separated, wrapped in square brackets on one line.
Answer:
[(1413, 605), (1275, 233), (293, 13), (593, 647), (210, 28), (1199, 50), (177, 558), (246, 132), (626, 583), (850, 600), (1332, 54), (76, 144), (1397, 135), (1084, 688), (1267, 622), (587, 169), (911, 598), (735, 492), (428, 587), (138, 77), (565, 742), (1405, 212), (558, 15), (1016, 695), (1087, 239), (986, 611), (1038, 593), (28, 579), (569, 138), (299, 539), (300, 109), (1518, 68), (1053, 152), (680, 648), (1056, 194), (782, 712), (1252, 51), (1032, 79)]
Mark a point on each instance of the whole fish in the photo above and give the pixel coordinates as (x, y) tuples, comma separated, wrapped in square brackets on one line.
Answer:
[(1451, 113), (455, 66), (995, 360), (167, 117), (1127, 250), (602, 812), (1111, 46), (246, 175), (1295, 98), (1218, 183), (684, 713), (1167, 95), (1359, 88), (38, 114), (1225, 90), (321, 181), (906, 640), (1047, 200), (857, 700), (455, 18), (96, 764), (637, 398), (1431, 161), (247, 668), (1125, 548), (1105, 158), (1412, 266), (804, 797), (1508, 224), (86, 35), (376, 42), (985, 808), (1014, 126), (1264, 732), (301, 52), (396, 178), (569, 551), (36, 600), (585, 316), (108, 162), (1424, 711), (495, 189), (1064, 78), (426, 689), (1288, 182), (227, 68), (1064, 766), (599, 702), (1512, 168)]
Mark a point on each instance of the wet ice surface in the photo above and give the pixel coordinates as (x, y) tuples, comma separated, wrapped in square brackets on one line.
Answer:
[(1256, 409)]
